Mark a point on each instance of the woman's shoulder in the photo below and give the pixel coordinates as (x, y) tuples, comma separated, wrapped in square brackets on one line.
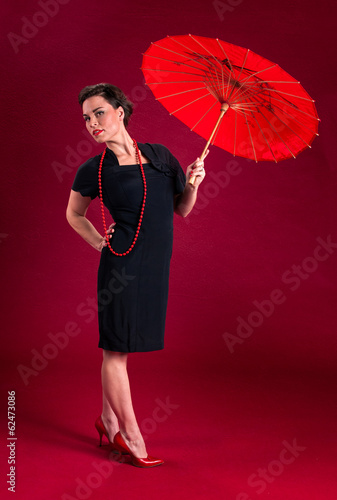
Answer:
[(91, 163), (159, 150), (86, 178)]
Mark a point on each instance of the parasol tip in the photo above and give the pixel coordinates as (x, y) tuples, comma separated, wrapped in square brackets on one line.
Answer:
[(317, 134)]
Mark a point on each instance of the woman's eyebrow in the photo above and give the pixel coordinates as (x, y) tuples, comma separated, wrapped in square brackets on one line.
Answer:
[(94, 110)]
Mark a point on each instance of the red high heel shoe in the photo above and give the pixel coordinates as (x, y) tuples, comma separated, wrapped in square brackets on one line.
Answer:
[(121, 446), (103, 432)]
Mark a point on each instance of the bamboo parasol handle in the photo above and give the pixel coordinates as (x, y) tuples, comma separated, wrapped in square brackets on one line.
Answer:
[(224, 108)]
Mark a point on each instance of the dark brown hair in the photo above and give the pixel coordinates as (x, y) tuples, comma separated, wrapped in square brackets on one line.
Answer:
[(114, 95)]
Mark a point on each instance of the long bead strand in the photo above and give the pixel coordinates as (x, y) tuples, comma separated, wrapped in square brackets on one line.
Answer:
[(139, 161)]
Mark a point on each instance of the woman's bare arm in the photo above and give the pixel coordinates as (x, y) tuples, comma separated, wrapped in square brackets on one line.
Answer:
[(76, 211), (184, 202)]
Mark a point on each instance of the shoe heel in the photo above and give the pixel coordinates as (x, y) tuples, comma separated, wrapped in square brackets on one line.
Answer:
[(100, 438), (100, 430)]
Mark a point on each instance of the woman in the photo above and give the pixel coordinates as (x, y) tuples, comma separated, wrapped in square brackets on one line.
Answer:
[(142, 185)]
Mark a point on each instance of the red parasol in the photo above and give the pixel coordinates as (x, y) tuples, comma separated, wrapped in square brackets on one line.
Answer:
[(231, 96)]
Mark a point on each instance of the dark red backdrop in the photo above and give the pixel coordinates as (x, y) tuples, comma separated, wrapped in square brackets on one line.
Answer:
[(245, 375)]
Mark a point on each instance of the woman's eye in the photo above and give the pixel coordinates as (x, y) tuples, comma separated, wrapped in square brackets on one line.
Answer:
[(99, 112)]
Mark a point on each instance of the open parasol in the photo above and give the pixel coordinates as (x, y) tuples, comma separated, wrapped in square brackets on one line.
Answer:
[(231, 96)]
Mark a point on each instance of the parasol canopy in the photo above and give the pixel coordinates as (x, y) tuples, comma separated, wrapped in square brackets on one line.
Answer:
[(231, 96)]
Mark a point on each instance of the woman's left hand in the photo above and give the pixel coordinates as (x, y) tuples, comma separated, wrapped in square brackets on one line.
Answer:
[(196, 169)]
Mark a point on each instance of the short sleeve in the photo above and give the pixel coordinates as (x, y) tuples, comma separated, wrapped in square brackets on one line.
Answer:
[(86, 179)]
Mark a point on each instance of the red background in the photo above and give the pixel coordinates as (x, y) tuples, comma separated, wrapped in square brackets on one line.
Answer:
[(234, 410)]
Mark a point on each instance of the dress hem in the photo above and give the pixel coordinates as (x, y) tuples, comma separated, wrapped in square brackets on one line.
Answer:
[(117, 349)]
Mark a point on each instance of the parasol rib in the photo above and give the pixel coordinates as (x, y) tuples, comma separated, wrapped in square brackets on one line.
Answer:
[(168, 83), (243, 64), (210, 53), (172, 71), (235, 134), (244, 94), (179, 93), (293, 131), (198, 55), (202, 70), (291, 95), (293, 106), (276, 81), (181, 55), (258, 72), (250, 135), (181, 63), (189, 103), (266, 140), (295, 119), (204, 115), (259, 88), (271, 126)]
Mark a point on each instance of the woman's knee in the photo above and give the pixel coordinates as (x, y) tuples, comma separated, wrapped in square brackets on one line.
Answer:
[(114, 356)]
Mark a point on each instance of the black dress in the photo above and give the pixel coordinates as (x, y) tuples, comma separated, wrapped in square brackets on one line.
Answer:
[(133, 289)]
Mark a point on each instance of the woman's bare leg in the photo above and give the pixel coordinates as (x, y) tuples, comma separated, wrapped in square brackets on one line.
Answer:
[(116, 389), (109, 418)]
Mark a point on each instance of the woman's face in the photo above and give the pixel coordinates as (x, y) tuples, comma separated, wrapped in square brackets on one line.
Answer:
[(102, 120)]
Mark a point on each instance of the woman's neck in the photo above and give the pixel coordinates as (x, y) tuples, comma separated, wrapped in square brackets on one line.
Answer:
[(122, 146)]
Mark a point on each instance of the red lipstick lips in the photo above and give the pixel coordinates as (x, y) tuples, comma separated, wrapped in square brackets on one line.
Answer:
[(97, 132)]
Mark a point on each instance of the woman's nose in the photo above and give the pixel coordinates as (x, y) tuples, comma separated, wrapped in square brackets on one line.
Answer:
[(93, 122)]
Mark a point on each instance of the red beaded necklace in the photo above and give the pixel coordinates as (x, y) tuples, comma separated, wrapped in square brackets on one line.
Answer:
[(139, 161)]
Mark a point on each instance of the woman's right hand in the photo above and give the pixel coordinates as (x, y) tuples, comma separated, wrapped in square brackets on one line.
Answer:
[(103, 243)]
